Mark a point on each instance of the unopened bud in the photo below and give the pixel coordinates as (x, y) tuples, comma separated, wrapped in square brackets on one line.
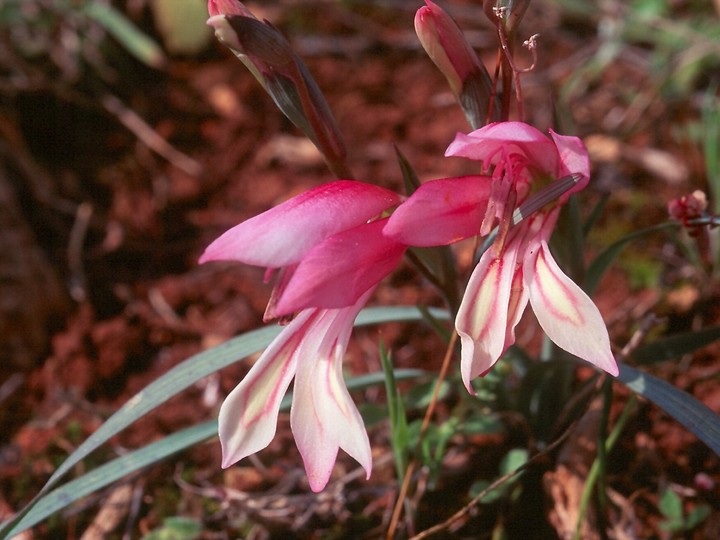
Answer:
[(270, 58), (447, 47), (227, 7), (688, 207), (445, 44)]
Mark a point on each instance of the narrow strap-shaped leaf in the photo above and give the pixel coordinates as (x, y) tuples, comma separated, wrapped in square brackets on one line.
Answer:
[(675, 346), (133, 461), (188, 373), (597, 268), (694, 415), (130, 36), (110, 472)]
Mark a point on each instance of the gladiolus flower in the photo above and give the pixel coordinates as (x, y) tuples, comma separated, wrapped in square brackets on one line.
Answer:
[(518, 268), (324, 242), (328, 247)]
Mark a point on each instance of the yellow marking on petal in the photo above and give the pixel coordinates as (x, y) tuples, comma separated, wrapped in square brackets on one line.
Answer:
[(335, 387), (486, 298), (263, 390), (556, 296)]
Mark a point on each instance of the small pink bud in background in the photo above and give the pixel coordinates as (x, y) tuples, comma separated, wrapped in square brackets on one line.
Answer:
[(689, 207), (704, 482)]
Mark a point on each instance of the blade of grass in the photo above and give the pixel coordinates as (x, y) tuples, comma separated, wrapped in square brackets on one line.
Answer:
[(675, 346), (136, 460), (130, 36), (186, 374), (601, 263), (691, 413), (596, 469), (396, 413)]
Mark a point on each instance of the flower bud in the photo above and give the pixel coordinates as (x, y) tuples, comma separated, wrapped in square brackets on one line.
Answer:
[(227, 7), (270, 58), (688, 207), (446, 46)]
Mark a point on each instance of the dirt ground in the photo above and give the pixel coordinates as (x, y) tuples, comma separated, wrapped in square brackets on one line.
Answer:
[(101, 229)]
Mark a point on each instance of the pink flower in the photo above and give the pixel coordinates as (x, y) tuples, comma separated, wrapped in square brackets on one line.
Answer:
[(323, 417), (690, 207), (328, 247), (518, 268)]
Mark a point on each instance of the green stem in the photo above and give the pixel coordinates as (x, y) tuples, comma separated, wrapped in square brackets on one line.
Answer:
[(595, 470)]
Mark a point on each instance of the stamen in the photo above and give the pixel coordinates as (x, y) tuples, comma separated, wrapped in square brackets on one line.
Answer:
[(505, 224), (497, 206), (533, 204)]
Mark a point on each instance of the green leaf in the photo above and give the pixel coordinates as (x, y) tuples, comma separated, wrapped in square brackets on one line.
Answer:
[(513, 460), (485, 424), (108, 473), (675, 346), (176, 528), (410, 179), (121, 28), (670, 505), (147, 455), (420, 396), (178, 379), (711, 143), (601, 263), (697, 515), (396, 412), (568, 240), (694, 415)]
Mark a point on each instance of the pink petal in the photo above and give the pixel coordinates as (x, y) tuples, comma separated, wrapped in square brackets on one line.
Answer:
[(227, 7), (336, 272), (248, 416), (482, 320), (323, 416), (284, 234), (441, 212), (493, 142), (564, 311), (573, 158)]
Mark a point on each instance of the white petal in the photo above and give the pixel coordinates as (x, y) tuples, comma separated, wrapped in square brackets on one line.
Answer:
[(248, 416), (323, 416), (482, 318), (566, 314)]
